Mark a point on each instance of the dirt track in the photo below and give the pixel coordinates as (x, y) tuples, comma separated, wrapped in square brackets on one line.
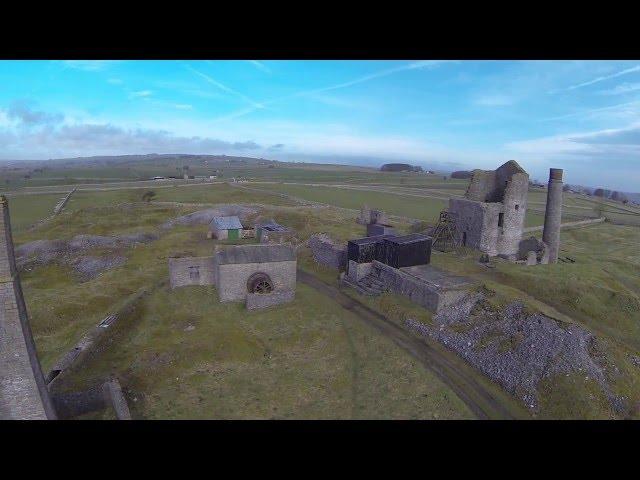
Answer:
[(446, 365)]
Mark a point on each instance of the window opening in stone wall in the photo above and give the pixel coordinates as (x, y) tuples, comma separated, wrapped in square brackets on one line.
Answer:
[(500, 219), (194, 273)]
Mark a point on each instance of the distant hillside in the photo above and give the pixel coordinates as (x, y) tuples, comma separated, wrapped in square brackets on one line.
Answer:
[(461, 174), (400, 167)]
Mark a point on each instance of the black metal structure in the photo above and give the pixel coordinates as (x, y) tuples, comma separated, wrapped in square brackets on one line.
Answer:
[(364, 250), (445, 235), (406, 251)]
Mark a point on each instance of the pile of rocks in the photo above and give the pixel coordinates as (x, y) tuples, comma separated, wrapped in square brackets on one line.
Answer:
[(69, 252), (514, 348), (204, 217)]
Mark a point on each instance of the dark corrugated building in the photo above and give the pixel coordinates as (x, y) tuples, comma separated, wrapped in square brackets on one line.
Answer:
[(406, 251), (364, 250)]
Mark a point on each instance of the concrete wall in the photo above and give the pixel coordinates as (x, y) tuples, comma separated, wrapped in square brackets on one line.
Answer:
[(327, 253), (181, 269), (257, 300), (232, 278), (23, 393)]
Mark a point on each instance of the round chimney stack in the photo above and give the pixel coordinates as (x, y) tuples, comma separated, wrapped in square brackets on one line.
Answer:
[(553, 214)]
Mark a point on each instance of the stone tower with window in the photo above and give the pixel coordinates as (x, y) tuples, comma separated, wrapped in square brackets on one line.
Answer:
[(491, 216)]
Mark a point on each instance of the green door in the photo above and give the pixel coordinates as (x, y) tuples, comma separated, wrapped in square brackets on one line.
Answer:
[(234, 234)]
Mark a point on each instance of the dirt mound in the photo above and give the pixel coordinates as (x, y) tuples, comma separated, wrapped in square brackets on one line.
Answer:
[(204, 217), (90, 267), (67, 252), (514, 348)]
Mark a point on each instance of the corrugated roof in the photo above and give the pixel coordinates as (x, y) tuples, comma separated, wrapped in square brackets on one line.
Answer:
[(272, 226), (226, 223), (255, 254)]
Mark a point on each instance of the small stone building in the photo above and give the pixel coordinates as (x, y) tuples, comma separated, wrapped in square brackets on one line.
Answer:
[(491, 216), (191, 271), (246, 270), (225, 228), (272, 232)]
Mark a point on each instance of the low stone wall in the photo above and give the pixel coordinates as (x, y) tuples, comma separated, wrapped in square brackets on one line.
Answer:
[(248, 233), (357, 271), (581, 223), (326, 252), (191, 271), (62, 203), (428, 296), (257, 300)]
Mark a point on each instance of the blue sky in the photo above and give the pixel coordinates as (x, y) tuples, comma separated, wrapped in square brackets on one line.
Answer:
[(579, 115)]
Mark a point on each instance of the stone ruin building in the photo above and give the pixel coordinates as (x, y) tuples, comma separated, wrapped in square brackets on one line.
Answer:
[(259, 275), (491, 216), (376, 221), (400, 264), (225, 228), (271, 232)]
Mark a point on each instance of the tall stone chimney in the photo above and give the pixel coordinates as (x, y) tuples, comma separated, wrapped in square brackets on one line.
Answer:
[(23, 392), (553, 214)]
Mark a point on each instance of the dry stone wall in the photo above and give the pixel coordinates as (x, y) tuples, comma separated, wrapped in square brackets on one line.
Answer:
[(192, 271), (326, 252)]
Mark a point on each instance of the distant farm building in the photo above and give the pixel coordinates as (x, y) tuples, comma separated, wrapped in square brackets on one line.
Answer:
[(225, 228)]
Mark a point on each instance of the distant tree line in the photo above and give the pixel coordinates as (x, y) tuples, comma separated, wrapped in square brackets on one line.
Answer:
[(400, 167)]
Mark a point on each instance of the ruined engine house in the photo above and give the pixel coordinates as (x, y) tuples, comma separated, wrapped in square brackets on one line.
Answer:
[(491, 216)]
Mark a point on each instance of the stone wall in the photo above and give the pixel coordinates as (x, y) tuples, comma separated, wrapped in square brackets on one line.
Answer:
[(357, 271), (477, 224), (219, 234), (23, 392), (426, 295), (380, 229), (491, 216), (257, 300), (232, 278), (191, 271), (326, 252)]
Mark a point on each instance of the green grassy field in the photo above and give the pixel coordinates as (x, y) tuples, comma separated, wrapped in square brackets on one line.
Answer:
[(26, 210), (309, 359)]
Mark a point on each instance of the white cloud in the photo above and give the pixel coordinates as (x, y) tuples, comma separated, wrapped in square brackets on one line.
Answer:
[(494, 100), (141, 94), (621, 89), (115, 81), (88, 65), (606, 77), (419, 65), (260, 66), (224, 88)]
